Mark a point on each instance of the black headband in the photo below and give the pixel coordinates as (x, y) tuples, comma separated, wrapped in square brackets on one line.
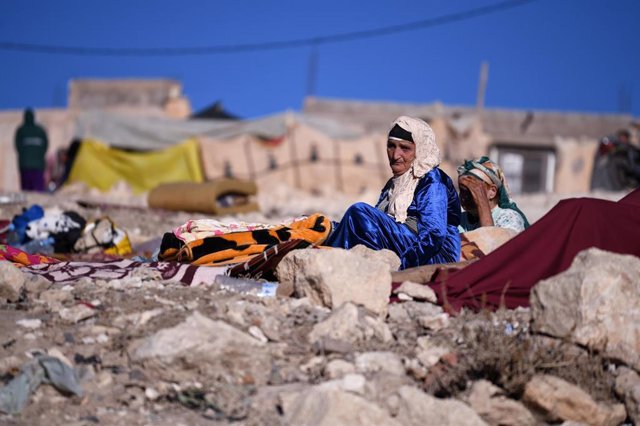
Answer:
[(400, 133)]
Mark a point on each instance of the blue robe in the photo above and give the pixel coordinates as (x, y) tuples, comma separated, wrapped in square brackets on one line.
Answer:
[(436, 208)]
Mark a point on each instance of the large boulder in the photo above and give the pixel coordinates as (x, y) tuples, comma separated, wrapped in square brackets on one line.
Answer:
[(594, 303), (200, 346), (559, 400), (385, 256), (419, 408), (332, 277)]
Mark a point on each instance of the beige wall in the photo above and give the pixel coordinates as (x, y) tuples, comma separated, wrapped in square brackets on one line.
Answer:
[(574, 164)]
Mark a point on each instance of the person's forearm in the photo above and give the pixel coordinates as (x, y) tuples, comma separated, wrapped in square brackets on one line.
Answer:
[(484, 214)]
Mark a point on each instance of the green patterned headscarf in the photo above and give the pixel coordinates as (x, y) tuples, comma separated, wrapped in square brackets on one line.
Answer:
[(494, 173)]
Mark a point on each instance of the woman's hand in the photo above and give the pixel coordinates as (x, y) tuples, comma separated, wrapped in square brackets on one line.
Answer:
[(478, 191), (476, 188)]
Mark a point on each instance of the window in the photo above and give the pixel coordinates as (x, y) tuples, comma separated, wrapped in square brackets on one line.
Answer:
[(527, 170)]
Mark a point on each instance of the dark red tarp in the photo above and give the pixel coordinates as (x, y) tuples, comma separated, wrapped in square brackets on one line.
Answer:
[(506, 276)]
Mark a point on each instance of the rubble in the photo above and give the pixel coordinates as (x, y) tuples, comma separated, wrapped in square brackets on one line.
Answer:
[(152, 352), (594, 303)]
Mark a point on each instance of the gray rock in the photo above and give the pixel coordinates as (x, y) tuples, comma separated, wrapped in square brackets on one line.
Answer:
[(333, 277), (418, 408), (496, 409), (55, 298), (350, 324), (199, 345), (329, 406), (374, 362), (559, 400), (36, 284), (11, 282), (379, 256), (594, 303), (628, 389)]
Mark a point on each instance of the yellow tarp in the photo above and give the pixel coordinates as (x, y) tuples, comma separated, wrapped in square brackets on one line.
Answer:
[(100, 166)]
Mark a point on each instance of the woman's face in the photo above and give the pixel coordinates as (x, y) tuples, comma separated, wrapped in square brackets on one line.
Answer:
[(401, 155)]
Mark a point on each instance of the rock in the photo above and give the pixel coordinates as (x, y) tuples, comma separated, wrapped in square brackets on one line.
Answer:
[(30, 324), (429, 354), (258, 334), (380, 256), (496, 409), (328, 407), (434, 322), (559, 400), (77, 313), (36, 284), (349, 324), (628, 389), (374, 362), (354, 383), (594, 303), (11, 282), (9, 364), (338, 368), (199, 345), (417, 291), (418, 408), (333, 277), (55, 298)]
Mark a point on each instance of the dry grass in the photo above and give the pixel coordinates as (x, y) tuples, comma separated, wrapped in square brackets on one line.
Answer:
[(510, 358)]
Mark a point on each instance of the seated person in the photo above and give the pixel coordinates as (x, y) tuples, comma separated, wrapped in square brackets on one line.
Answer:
[(418, 211), (485, 199)]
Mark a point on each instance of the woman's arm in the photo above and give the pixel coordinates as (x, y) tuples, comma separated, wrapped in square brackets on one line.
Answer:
[(432, 203)]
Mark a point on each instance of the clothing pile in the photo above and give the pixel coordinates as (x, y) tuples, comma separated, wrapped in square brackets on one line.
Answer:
[(53, 230)]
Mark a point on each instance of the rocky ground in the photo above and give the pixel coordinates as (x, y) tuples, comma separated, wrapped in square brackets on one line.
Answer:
[(334, 353)]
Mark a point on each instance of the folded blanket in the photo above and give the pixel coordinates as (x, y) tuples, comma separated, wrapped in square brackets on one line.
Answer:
[(237, 247), (21, 258)]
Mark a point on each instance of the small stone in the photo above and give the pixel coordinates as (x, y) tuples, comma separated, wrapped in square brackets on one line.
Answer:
[(102, 338), (258, 334), (354, 383), (77, 313), (418, 291), (151, 394), (404, 297), (11, 282), (338, 368), (31, 324), (374, 362), (30, 336), (36, 284)]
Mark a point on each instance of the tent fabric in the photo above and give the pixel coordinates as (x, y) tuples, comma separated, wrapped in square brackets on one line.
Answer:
[(157, 132), (506, 276), (100, 166)]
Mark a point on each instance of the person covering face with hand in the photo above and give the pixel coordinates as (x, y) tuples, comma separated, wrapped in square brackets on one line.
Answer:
[(485, 198)]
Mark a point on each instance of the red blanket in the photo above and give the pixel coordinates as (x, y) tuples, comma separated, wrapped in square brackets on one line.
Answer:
[(506, 276)]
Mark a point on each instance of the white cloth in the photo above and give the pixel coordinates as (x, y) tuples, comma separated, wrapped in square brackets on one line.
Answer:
[(427, 157)]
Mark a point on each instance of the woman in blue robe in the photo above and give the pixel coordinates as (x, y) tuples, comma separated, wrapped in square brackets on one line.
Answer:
[(418, 212)]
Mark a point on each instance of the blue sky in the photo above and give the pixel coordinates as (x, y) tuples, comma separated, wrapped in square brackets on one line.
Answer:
[(548, 54)]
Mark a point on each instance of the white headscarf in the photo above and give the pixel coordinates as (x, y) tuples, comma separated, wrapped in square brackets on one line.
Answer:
[(427, 157)]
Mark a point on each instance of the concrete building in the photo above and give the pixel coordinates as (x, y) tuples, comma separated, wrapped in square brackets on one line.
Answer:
[(539, 151)]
